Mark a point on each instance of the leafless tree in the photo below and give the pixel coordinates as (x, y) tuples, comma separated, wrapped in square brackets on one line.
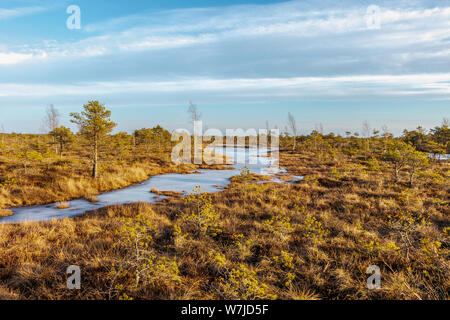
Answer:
[(3, 134), (319, 128), (366, 129), (51, 119), (193, 112), (385, 134), (384, 130), (267, 133), (366, 134), (446, 122), (293, 126), (51, 122)]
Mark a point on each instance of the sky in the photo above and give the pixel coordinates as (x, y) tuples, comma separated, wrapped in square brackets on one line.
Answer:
[(242, 63)]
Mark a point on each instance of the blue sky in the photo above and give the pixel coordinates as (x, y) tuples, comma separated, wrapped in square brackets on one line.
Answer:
[(242, 62)]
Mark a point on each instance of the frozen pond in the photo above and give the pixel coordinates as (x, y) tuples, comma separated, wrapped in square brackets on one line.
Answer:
[(209, 180), (440, 156)]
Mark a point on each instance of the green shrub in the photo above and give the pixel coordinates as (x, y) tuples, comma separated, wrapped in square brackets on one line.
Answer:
[(239, 283), (203, 217), (314, 230)]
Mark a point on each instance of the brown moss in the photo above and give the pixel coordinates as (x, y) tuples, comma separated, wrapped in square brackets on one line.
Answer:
[(333, 226)]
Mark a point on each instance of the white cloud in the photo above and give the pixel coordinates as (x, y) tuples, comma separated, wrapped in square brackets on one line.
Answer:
[(283, 50), (188, 27), (14, 58), (19, 12), (300, 87)]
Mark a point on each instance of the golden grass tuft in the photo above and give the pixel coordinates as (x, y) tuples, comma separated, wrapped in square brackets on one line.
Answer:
[(172, 194), (91, 198), (62, 205), (6, 212)]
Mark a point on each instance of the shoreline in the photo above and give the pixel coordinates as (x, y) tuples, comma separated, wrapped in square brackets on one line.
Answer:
[(182, 169)]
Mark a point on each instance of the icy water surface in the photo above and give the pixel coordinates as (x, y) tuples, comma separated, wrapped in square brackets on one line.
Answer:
[(209, 180)]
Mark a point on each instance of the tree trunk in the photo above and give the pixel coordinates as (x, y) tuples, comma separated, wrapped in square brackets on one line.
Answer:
[(55, 144), (60, 148), (95, 159), (396, 169), (293, 148), (367, 147), (411, 178)]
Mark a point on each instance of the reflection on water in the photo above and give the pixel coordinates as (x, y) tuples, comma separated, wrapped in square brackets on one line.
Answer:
[(440, 156), (209, 180)]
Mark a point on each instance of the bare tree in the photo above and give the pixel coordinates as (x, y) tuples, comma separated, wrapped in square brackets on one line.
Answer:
[(193, 112), (293, 126), (445, 122), (366, 134), (366, 129), (51, 122), (51, 119), (267, 133), (385, 134), (3, 134), (319, 128)]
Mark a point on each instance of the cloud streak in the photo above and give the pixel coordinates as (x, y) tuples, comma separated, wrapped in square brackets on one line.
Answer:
[(19, 12), (13, 58), (329, 87), (185, 28)]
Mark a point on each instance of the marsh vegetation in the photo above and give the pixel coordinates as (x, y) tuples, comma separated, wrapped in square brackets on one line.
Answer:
[(371, 200)]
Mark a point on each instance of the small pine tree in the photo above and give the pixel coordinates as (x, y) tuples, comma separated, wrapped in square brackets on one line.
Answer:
[(94, 123)]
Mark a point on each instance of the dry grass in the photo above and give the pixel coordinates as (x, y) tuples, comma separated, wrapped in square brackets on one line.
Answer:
[(173, 194), (53, 179), (62, 205), (6, 213), (310, 240), (91, 198), (57, 184)]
